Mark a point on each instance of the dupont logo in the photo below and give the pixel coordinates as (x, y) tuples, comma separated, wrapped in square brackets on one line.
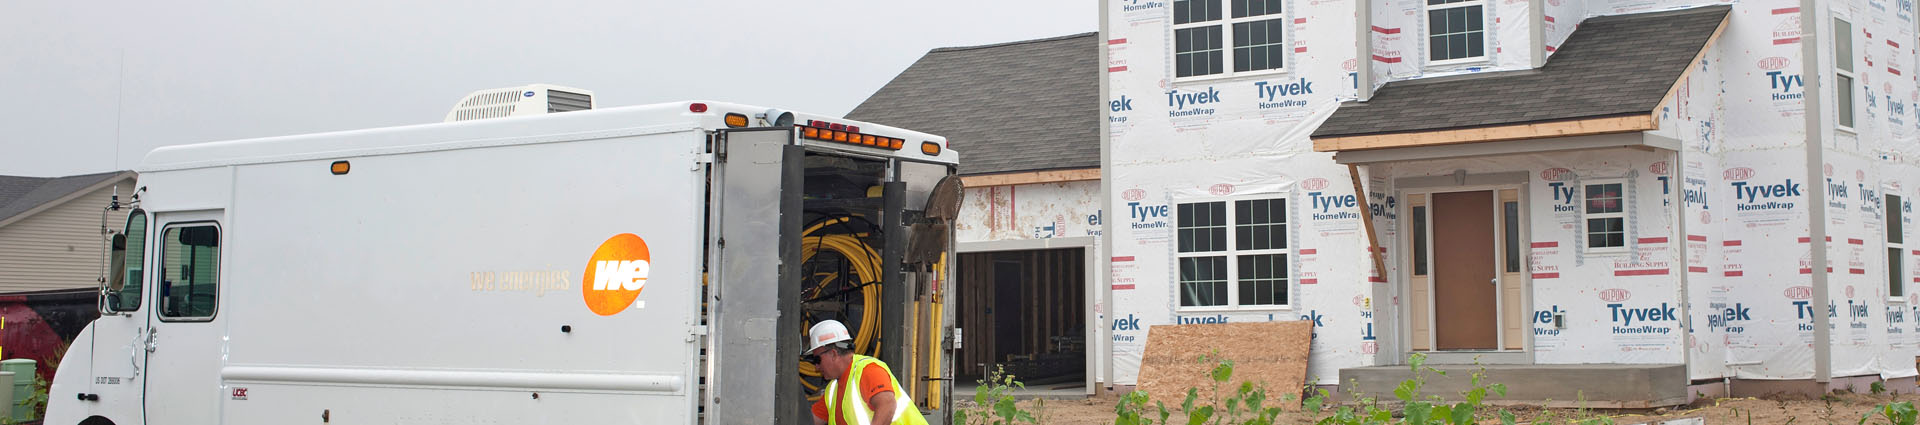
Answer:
[(1222, 189), (1133, 194), (1557, 174), (1315, 183), (1615, 295), (1860, 175), (1737, 174), (1350, 65), (1799, 292), (1773, 63), (615, 274), (1658, 168), (1826, 169), (1849, 291)]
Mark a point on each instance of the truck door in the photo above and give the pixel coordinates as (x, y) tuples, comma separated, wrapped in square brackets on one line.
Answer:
[(119, 335), (184, 343), (757, 209)]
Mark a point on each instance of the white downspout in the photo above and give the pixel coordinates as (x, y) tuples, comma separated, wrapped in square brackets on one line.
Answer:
[(1816, 199), (1104, 265)]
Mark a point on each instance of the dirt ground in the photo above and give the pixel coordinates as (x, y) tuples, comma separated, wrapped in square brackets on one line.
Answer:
[(1836, 409)]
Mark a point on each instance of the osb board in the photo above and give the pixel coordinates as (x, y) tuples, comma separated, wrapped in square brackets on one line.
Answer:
[(1272, 355)]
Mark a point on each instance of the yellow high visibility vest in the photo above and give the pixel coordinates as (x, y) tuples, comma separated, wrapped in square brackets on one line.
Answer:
[(904, 413)]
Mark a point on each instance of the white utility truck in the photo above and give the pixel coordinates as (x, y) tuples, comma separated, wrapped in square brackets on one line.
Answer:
[(645, 264)]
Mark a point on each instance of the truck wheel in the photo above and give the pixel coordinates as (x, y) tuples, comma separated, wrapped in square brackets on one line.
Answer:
[(97, 420)]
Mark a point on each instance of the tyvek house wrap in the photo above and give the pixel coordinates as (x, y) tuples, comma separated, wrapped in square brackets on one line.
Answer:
[(1740, 182)]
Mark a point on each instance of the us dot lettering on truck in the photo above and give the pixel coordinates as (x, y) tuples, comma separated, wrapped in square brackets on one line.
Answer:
[(615, 274)]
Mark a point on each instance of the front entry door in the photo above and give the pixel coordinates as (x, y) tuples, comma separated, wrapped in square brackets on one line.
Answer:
[(1464, 286)]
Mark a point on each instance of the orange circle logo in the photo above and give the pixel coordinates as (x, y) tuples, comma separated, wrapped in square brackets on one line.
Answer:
[(615, 274)]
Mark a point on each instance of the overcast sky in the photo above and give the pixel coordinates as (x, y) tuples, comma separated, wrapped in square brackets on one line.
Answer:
[(92, 86)]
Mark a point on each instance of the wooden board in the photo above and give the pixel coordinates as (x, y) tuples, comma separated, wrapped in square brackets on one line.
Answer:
[(1269, 354)]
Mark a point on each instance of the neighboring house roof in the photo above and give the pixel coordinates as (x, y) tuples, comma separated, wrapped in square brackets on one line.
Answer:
[(21, 196), (1012, 107), (1610, 66)]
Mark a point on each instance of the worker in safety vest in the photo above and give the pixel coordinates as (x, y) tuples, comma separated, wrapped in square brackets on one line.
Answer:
[(862, 391)]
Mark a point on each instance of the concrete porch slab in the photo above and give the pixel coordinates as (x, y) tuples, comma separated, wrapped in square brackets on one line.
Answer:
[(1594, 385)]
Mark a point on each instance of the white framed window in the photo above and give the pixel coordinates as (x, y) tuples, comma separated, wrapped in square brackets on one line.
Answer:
[(1456, 31), (1225, 38), (1896, 247), (1605, 216), (1843, 77), (1232, 254)]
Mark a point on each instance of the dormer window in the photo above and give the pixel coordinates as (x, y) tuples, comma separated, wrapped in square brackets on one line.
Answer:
[(1456, 31)]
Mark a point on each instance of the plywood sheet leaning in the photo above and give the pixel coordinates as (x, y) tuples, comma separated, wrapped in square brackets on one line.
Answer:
[(1272, 355)]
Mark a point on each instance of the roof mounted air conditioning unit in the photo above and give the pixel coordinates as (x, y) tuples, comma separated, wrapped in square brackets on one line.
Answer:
[(532, 99)]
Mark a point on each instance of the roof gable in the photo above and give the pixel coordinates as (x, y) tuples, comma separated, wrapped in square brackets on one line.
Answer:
[(1012, 107), (21, 195)]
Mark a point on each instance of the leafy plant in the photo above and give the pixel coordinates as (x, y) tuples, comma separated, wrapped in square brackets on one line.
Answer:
[(36, 401), (1877, 388), (1900, 413), (993, 402)]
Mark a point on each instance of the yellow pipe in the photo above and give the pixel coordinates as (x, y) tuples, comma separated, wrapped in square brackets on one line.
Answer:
[(863, 259), (933, 343)]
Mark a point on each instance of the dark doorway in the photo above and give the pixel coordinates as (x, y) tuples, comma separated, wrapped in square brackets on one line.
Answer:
[(1023, 311)]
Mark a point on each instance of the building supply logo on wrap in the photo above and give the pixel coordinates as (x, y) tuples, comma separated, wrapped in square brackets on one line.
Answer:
[(615, 274), (1385, 41), (1786, 27)]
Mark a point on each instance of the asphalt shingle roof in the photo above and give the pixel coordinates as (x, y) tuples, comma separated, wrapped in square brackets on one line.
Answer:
[(1611, 65), (21, 194), (1021, 106)]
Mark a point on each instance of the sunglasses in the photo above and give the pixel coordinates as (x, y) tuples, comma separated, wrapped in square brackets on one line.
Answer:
[(810, 358)]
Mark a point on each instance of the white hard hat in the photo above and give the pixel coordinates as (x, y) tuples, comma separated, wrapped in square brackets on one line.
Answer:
[(826, 332)]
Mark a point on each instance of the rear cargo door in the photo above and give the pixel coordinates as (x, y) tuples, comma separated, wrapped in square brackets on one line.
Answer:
[(755, 347)]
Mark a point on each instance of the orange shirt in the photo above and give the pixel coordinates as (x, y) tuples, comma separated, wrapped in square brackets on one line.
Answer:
[(873, 380)]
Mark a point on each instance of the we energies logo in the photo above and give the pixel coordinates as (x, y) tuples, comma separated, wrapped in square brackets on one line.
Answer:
[(615, 274)]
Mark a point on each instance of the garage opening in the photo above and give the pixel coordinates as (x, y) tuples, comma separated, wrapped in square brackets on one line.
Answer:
[(1023, 310)]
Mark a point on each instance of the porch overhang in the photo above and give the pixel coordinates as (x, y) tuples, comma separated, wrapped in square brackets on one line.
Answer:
[(1607, 86), (1640, 140)]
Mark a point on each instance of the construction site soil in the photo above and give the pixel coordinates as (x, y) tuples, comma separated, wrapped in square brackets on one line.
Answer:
[(1780, 409)]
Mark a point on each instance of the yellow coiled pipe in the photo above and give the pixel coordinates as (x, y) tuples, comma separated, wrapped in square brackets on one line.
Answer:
[(866, 267)]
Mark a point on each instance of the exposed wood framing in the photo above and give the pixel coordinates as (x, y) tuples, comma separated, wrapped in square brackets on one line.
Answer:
[(1031, 177), (1604, 125), (1052, 287)]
